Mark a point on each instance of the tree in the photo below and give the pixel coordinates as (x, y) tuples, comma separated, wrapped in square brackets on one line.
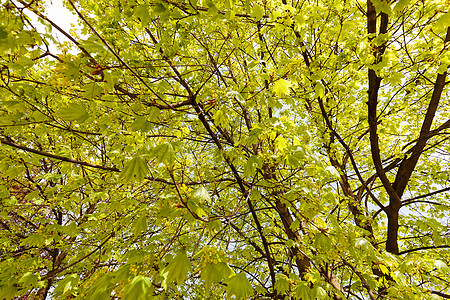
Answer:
[(254, 149)]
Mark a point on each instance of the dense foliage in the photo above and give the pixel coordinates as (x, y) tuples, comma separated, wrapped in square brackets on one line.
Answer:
[(247, 149)]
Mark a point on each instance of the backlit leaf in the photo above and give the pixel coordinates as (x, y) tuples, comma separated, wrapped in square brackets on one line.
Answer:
[(177, 269), (239, 286), (73, 112), (281, 87), (140, 288), (134, 170)]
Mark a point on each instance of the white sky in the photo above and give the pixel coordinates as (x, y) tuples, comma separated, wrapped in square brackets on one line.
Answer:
[(60, 15)]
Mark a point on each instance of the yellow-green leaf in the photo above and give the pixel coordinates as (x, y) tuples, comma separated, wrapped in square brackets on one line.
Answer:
[(177, 269), (135, 170), (239, 286), (281, 87), (140, 288)]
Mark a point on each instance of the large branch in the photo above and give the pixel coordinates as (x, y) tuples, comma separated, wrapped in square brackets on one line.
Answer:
[(9, 142), (424, 248), (407, 166), (412, 200), (374, 86)]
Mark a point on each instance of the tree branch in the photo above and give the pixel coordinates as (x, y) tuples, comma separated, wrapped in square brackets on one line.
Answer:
[(9, 142), (423, 248)]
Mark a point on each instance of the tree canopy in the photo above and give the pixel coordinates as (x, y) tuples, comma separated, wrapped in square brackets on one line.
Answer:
[(239, 149)]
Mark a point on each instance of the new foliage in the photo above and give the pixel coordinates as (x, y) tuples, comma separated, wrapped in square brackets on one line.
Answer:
[(225, 148)]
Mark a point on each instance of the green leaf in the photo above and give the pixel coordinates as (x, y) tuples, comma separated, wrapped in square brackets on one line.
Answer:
[(8, 292), (159, 8), (141, 124), (295, 224), (164, 153), (140, 288), (319, 89), (141, 12), (281, 143), (220, 117), (381, 39), (281, 87), (332, 170), (321, 293), (239, 286), (282, 283), (34, 239), (383, 269), (382, 6), (304, 292), (67, 285), (322, 242), (92, 90), (29, 279), (442, 266), (74, 112), (3, 33), (401, 5), (211, 274), (197, 209), (257, 12), (47, 25), (444, 21), (93, 44), (109, 81), (135, 170), (140, 225), (201, 194), (253, 163), (177, 269)]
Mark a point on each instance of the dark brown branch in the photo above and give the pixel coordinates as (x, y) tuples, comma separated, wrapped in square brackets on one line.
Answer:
[(374, 86), (348, 152), (363, 280), (411, 200), (407, 167), (53, 273), (9, 142), (446, 296), (423, 248)]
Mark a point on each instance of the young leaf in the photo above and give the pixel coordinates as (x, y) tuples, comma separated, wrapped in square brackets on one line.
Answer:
[(282, 283), (281, 87), (239, 286), (142, 13), (74, 112), (210, 275), (177, 269), (322, 242), (201, 194), (140, 288), (29, 278), (319, 89), (164, 153), (254, 162), (215, 272), (303, 292), (136, 169), (140, 225), (257, 12)]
